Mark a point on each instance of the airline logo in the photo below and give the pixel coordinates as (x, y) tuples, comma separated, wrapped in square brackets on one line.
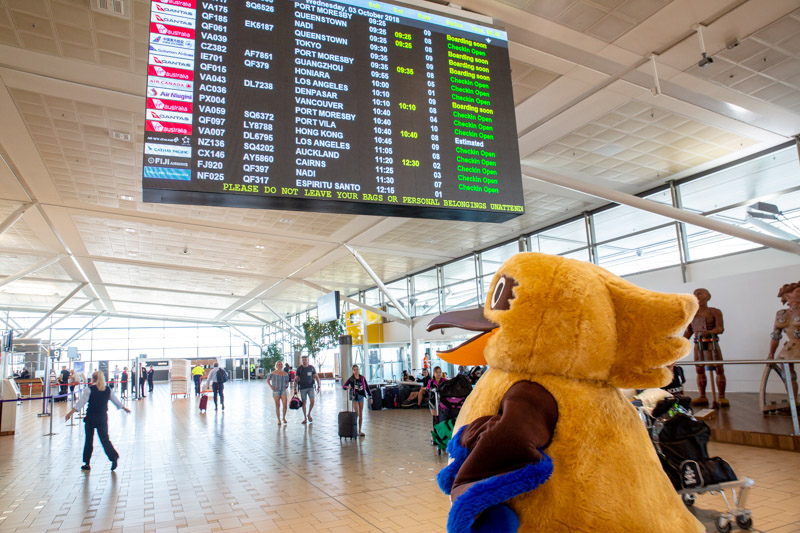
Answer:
[(183, 174), (171, 31), (181, 3), (170, 19), (172, 73), (174, 62), (177, 42), (182, 53), (168, 116), (167, 127), (168, 83), (175, 11), (165, 149), (168, 105), (178, 96)]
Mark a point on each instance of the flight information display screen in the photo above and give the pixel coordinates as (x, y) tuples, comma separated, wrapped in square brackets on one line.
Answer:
[(350, 106)]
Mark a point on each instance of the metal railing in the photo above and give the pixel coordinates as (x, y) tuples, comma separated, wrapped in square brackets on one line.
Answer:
[(777, 362)]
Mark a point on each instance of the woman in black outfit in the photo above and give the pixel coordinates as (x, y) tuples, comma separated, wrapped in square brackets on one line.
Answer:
[(97, 396), (359, 389)]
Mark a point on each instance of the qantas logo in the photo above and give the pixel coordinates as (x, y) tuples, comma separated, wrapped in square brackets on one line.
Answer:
[(175, 10), (169, 116), (175, 21), (173, 62), (191, 4)]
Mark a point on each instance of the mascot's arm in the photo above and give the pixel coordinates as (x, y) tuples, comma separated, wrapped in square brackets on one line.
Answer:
[(498, 457)]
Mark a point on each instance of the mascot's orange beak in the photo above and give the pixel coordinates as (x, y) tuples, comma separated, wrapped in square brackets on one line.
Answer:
[(469, 353)]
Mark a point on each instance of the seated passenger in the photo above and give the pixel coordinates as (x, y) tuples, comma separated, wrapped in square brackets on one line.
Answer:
[(25, 374), (418, 396)]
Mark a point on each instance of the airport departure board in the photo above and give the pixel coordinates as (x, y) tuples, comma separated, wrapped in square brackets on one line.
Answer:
[(350, 106)]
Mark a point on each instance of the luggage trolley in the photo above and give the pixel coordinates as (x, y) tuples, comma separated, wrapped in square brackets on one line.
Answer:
[(736, 504), (445, 411), (680, 460)]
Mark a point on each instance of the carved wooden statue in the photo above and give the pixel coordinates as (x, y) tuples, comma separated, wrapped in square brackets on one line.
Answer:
[(706, 326), (787, 321)]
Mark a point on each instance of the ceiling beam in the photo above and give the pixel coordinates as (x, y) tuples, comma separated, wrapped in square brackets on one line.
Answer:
[(13, 218), (30, 270), (665, 210), (58, 306)]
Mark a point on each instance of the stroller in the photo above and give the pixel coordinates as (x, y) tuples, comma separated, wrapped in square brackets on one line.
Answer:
[(446, 402), (681, 443)]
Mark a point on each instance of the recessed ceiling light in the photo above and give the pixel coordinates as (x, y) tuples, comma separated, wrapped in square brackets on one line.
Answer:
[(130, 230), (124, 197), (285, 220), (228, 279), (609, 150), (241, 266), (132, 254), (260, 247)]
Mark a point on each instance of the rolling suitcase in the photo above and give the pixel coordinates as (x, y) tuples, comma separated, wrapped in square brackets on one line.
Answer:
[(348, 424), (391, 398), (203, 402), (377, 398)]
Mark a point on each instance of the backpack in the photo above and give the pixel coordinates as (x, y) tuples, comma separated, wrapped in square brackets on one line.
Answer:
[(222, 376)]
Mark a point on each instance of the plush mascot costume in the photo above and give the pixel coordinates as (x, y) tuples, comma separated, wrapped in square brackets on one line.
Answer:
[(546, 442)]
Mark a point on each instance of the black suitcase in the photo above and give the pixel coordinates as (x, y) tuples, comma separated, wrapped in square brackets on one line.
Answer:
[(377, 398), (391, 398), (348, 425)]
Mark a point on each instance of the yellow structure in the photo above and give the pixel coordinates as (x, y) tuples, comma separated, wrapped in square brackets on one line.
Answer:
[(353, 321)]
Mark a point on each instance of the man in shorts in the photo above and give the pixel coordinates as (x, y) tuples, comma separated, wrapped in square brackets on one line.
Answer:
[(304, 385)]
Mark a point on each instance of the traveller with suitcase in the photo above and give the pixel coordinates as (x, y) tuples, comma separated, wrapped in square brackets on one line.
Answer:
[(358, 389)]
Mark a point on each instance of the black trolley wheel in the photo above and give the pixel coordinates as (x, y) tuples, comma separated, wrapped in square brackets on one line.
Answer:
[(688, 499), (744, 521), (723, 526)]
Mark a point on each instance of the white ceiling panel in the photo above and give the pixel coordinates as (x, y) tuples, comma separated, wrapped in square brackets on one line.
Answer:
[(71, 76)]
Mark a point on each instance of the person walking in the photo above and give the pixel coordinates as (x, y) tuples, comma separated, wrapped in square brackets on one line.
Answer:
[(304, 384), (150, 376), (142, 381), (124, 383), (359, 389), (115, 381), (97, 396), (278, 381), (217, 378), (197, 376)]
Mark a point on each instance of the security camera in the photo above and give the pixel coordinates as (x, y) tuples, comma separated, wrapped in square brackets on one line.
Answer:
[(186, 250), (705, 61)]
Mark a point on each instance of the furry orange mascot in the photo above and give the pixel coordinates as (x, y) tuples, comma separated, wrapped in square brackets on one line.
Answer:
[(546, 441)]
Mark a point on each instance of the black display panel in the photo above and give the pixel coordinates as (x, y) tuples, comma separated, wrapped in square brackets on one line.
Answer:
[(351, 106)]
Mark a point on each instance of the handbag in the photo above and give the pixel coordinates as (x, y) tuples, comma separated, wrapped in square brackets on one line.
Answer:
[(295, 402)]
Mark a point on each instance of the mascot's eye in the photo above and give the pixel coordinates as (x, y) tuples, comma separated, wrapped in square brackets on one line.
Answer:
[(503, 293)]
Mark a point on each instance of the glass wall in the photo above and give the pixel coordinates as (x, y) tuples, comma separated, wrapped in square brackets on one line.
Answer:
[(761, 193)]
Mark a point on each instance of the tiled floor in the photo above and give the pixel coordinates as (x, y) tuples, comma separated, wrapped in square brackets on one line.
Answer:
[(238, 471)]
